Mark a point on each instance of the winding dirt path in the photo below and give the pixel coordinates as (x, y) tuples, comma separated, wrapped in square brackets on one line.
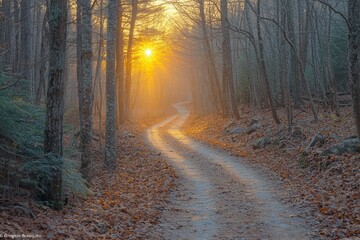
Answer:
[(220, 196)]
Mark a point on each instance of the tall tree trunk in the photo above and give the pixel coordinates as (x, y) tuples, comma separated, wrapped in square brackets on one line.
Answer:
[(36, 46), (282, 53), (295, 55), (301, 42), (227, 59), (134, 12), (78, 56), (250, 66), (25, 48), (121, 108), (354, 58), (283, 67), (294, 63), (86, 96), (330, 72), (110, 144), (16, 65), (217, 97), (53, 134), (5, 37), (304, 32), (44, 60), (263, 66), (97, 77)]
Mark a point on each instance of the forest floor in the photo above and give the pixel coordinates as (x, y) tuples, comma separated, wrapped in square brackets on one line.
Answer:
[(329, 184), (125, 203), (218, 186)]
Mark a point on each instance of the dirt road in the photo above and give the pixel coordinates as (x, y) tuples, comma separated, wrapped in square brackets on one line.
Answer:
[(220, 196)]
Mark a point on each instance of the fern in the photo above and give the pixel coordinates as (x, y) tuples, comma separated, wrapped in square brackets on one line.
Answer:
[(21, 135)]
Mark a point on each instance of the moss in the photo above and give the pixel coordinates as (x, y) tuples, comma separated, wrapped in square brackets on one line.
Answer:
[(303, 161)]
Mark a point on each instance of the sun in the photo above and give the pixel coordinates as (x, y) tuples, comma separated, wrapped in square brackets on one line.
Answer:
[(148, 52)]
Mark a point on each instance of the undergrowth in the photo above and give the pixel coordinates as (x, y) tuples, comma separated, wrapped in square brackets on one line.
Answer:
[(24, 168)]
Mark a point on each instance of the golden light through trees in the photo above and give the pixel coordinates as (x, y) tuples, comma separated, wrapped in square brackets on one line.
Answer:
[(153, 55), (148, 52), (154, 84)]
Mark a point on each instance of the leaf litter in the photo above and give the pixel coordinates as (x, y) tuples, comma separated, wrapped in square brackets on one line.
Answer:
[(125, 203), (330, 185)]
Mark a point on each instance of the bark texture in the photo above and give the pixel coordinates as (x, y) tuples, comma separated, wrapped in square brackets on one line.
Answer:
[(120, 77), (86, 124), (217, 97), (134, 12), (53, 139), (354, 60), (44, 51), (227, 59), (25, 50), (263, 66), (110, 144), (5, 37)]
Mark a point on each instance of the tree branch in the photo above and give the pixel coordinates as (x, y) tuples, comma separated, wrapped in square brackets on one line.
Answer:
[(335, 11)]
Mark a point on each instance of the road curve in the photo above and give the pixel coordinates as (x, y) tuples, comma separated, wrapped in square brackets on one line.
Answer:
[(220, 196)]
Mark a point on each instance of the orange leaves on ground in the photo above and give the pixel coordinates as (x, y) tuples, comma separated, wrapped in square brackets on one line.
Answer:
[(329, 184), (124, 204)]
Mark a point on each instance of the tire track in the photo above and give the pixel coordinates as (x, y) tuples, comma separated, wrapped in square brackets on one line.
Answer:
[(220, 196)]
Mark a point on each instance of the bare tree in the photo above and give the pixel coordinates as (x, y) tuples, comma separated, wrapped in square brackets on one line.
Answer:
[(97, 77), (228, 80), (25, 54), (5, 27), (354, 58), (110, 144), (285, 85), (128, 69), (53, 137), (217, 97), (263, 65), (16, 67), (85, 88), (120, 77), (44, 60)]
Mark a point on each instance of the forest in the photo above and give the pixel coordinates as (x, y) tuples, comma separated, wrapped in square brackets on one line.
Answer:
[(180, 119)]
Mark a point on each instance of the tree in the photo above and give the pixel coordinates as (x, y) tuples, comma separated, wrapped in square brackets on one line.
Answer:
[(284, 81), (228, 80), (26, 48), (353, 24), (299, 62), (44, 51), (354, 58), (85, 87), (263, 66), (5, 26), (110, 144), (128, 69), (53, 134), (217, 98), (16, 67), (97, 77), (120, 77)]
